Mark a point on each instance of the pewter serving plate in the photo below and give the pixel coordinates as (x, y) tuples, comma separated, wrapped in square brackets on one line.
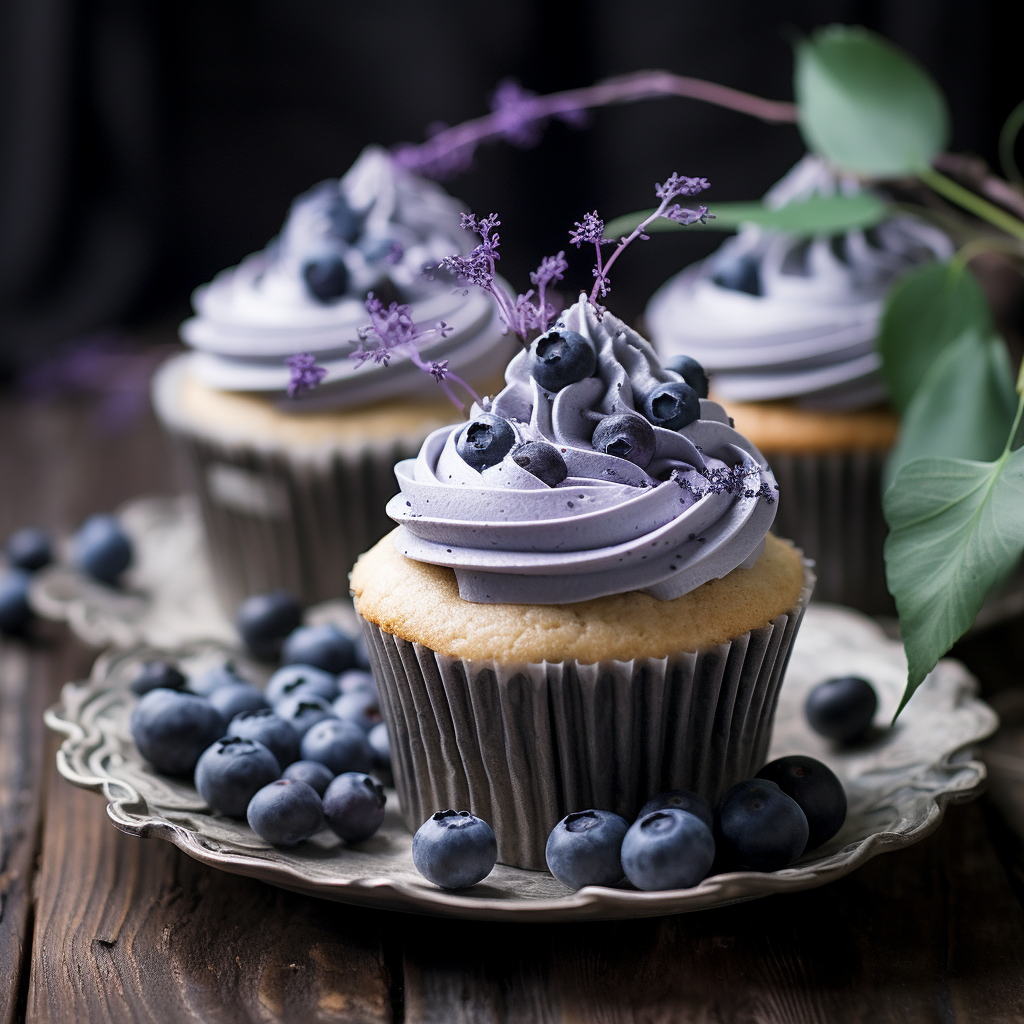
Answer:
[(898, 785)]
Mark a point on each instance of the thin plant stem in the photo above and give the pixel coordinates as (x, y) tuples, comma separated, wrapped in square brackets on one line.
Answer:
[(972, 202)]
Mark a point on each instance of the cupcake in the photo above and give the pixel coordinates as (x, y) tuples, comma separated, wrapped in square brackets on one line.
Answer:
[(787, 328), (581, 605), (290, 430)]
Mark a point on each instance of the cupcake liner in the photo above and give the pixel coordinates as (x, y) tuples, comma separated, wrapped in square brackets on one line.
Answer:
[(522, 745)]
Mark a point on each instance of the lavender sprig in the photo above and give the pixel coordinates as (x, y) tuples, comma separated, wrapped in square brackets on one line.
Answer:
[(305, 374)]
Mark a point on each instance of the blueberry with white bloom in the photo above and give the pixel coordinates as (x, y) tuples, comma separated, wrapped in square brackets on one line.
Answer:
[(325, 647), (667, 849), (359, 706), (685, 800), (264, 620), (302, 712), (692, 372), (313, 773), (454, 849), (157, 675), (29, 548), (102, 549), (231, 771), (354, 806), (15, 612), (357, 679), (216, 676), (625, 435), (584, 848), (759, 827), (301, 679), (172, 728), (285, 812), (561, 357), (270, 729), (237, 697), (542, 460), (485, 440), (340, 745)]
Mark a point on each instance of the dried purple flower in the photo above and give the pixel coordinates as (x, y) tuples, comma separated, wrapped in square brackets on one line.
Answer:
[(590, 229), (305, 374), (515, 110), (734, 480)]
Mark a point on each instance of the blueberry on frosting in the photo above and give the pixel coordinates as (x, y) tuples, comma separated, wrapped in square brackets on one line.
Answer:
[(485, 441), (672, 405), (560, 357), (626, 436), (692, 372), (542, 460), (326, 278)]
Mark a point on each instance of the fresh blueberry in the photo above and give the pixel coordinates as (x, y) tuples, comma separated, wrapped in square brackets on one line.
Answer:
[(359, 706), (362, 653), (102, 548), (313, 773), (667, 849), (357, 679), (380, 743), (760, 827), (354, 806), (485, 441), (584, 849), (340, 745), (264, 620), (816, 790), (302, 712), (157, 675), (285, 812), (215, 677), (270, 729), (672, 405), (326, 278), (685, 801), (738, 274), (172, 728), (454, 849), (842, 709), (626, 436), (303, 679), (543, 460), (15, 612), (231, 771), (560, 357), (345, 222), (238, 697), (692, 372), (29, 548), (325, 647)]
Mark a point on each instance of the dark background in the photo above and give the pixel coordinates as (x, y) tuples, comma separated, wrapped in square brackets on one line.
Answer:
[(145, 146)]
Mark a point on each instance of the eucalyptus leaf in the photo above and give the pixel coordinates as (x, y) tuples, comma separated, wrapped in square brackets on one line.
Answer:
[(865, 105), (956, 529), (927, 311)]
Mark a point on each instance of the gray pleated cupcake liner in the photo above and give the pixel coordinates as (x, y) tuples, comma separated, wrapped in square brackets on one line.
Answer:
[(523, 745)]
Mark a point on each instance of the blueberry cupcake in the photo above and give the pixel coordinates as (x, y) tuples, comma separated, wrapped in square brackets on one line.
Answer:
[(582, 604), (787, 328), (291, 431)]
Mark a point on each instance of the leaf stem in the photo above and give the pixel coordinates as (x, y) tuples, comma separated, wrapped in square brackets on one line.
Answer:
[(1007, 139), (974, 203)]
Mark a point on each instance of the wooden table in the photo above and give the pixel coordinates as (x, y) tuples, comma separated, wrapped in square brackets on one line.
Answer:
[(98, 926)]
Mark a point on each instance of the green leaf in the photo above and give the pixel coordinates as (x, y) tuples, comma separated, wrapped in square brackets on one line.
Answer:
[(818, 215), (956, 529), (865, 105), (927, 311)]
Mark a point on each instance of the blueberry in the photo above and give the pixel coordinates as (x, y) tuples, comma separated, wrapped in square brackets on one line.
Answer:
[(584, 847), (357, 679), (285, 812), (485, 441), (816, 790), (685, 801), (359, 706), (667, 849), (626, 436), (345, 222), (213, 678), (325, 647), (302, 712), (264, 620), (238, 697), (672, 405), (738, 274), (270, 729), (760, 827), (354, 806), (304, 679), (543, 460), (313, 773), (102, 548), (326, 278), (454, 849), (172, 728), (342, 746), (362, 653), (15, 612), (692, 372), (231, 771), (560, 357), (29, 548), (157, 675), (842, 709), (380, 743)]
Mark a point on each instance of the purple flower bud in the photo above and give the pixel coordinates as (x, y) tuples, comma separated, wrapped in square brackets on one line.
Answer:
[(305, 374)]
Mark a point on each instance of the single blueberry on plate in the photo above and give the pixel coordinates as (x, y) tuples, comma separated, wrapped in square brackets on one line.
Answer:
[(270, 729), (302, 712), (231, 771), (584, 849), (225, 674), (340, 745), (157, 675), (672, 405), (313, 773), (380, 743), (485, 440), (359, 706), (325, 647), (236, 698), (759, 827), (357, 679), (692, 372), (15, 612), (326, 278), (625, 435), (29, 548), (667, 849), (454, 849), (172, 728), (285, 812), (842, 709), (816, 790), (102, 549), (542, 460), (560, 357), (685, 801), (354, 806), (264, 620), (304, 679)]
